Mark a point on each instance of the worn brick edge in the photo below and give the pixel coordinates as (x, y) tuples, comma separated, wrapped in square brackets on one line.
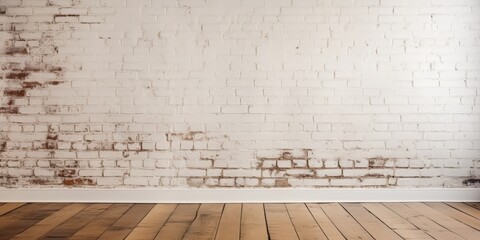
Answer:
[(187, 195)]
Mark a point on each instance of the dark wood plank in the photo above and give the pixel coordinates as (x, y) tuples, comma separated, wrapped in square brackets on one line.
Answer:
[(149, 227), (449, 223), (102, 222), (179, 222), (50, 222), (423, 223), (74, 224), (205, 225), (279, 224), (474, 204), (304, 223), (126, 223), (229, 227), (324, 222), (253, 225), (22, 218), (8, 207), (373, 225)]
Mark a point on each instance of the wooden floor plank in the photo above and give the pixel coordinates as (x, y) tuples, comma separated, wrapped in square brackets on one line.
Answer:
[(324, 222), (205, 225), (102, 222), (149, 227), (22, 218), (344, 222), (253, 223), (372, 224), (279, 224), (179, 222), (446, 221), (52, 221), (472, 211), (229, 228), (7, 207), (126, 223), (304, 223), (423, 223), (413, 234), (387, 216), (474, 204), (457, 214), (75, 223)]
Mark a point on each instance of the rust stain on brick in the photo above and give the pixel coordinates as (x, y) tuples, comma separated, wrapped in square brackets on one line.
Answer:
[(16, 51), (22, 75), (78, 181), (14, 92), (66, 173)]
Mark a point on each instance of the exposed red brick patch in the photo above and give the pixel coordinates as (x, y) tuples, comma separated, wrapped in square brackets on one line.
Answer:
[(16, 51), (66, 173), (9, 110), (78, 181), (18, 75), (15, 92)]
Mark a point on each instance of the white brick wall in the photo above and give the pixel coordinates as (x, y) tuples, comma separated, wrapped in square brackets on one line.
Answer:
[(265, 93)]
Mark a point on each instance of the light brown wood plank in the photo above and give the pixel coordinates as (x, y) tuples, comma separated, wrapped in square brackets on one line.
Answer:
[(373, 225), (7, 207), (474, 212), (387, 216), (446, 221), (75, 223), (205, 225), (413, 234), (304, 223), (52, 221), (344, 222), (457, 214), (149, 227), (324, 222), (102, 222), (423, 223), (229, 228), (253, 224), (126, 223), (179, 222), (279, 224)]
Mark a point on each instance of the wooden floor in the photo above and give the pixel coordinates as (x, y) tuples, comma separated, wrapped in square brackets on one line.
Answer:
[(389, 221)]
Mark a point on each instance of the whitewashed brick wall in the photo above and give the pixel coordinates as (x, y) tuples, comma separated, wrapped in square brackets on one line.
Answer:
[(239, 93)]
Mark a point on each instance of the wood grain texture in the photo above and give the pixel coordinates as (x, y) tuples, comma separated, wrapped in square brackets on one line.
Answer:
[(205, 225), (422, 222), (324, 222), (347, 225), (304, 223), (101, 223), (149, 227), (229, 227), (126, 223), (279, 224), (373, 225), (179, 222), (253, 221)]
